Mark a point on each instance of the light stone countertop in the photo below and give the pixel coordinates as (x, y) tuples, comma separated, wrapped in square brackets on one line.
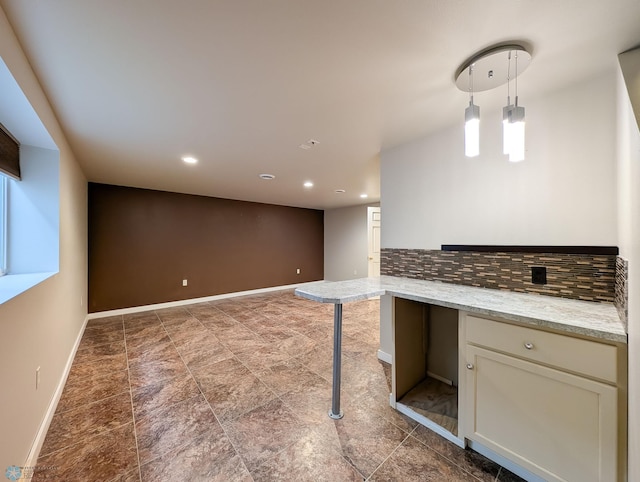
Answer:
[(592, 319)]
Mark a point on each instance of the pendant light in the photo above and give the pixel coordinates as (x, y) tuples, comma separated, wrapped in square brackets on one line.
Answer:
[(471, 123), (506, 113), (486, 70), (513, 121)]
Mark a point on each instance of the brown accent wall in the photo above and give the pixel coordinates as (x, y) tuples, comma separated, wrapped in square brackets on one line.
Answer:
[(143, 243)]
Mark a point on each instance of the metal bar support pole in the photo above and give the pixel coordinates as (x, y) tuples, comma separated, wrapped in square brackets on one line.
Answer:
[(335, 412)]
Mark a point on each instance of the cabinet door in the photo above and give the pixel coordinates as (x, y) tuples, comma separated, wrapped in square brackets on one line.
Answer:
[(557, 425)]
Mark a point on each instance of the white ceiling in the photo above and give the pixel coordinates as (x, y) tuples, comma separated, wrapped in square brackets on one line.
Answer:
[(239, 84)]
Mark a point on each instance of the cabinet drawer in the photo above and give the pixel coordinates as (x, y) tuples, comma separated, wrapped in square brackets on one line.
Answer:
[(590, 358)]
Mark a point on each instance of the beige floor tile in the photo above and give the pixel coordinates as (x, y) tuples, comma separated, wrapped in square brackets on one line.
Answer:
[(411, 462), (108, 456), (169, 428), (163, 394), (262, 366), (209, 458), (81, 391), (310, 459), (264, 432), (67, 428)]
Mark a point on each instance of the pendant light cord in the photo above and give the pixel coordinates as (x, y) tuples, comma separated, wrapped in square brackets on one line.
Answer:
[(516, 78), (509, 79)]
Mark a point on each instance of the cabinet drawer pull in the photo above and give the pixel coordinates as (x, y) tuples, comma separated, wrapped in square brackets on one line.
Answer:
[(469, 366), (528, 345)]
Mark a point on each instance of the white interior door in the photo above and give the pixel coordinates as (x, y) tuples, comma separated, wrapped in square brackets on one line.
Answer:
[(373, 225)]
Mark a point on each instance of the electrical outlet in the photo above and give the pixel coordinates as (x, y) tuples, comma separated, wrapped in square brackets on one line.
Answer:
[(298, 271), (184, 282), (539, 275), (37, 377)]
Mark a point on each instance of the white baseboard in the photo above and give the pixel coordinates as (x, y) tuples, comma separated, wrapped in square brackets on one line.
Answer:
[(190, 301), (438, 377), (505, 462), (430, 424), (34, 452), (385, 357)]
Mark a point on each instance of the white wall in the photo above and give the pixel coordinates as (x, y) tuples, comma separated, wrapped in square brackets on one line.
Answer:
[(345, 243), (562, 194), (40, 326), (629, 232)]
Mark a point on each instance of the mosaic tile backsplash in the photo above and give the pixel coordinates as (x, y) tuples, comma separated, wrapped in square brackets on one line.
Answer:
[(622, 289), (577, 276)]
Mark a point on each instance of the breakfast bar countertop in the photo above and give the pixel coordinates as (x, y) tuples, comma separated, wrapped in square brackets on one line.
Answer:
[(593, 319)]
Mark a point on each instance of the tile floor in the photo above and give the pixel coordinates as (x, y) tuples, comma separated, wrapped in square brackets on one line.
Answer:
[(236, 390)]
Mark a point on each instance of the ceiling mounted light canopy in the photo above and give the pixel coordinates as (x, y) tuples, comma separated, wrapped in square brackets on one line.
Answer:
[(487, 70)]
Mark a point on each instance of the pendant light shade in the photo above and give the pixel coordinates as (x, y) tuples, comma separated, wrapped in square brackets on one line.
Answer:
[(472, 130), (513, 120), (506, 126), (514, 134)]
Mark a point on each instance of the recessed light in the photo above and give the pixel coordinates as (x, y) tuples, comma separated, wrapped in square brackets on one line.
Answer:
[(190, 160), (267, 177), (308, 184), (339, 191), (364, 196), (309, 144)]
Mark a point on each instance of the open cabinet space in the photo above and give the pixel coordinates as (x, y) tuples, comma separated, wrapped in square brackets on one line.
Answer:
[(425, 368)]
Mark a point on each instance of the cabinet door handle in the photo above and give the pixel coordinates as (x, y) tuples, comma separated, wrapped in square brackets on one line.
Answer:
[(469, 366), (528, 345)]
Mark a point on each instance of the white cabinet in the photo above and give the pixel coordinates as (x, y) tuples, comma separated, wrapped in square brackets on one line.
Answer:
[(547, 402)]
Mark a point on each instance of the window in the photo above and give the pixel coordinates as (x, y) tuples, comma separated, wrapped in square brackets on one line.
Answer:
[(3, 224), (29, 194), (9, 167)]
